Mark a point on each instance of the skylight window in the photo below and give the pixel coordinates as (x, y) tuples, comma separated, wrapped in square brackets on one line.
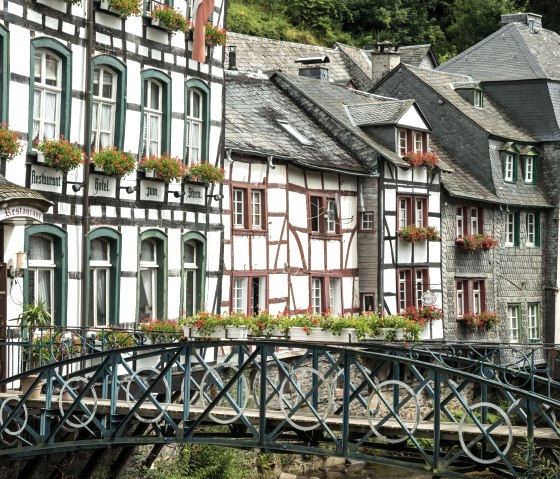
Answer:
[(296, 134)]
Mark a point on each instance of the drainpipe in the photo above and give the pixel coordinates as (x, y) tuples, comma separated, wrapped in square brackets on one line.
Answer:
[(380, 234), (87, 144)]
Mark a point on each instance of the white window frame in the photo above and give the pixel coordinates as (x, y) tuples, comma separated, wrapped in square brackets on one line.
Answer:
[(97, 266), (367, 221), (194, 125), (459, 222), (150, 266), (417, 142), (239, 208), (403, 290), (513, 322), (256, 209), (419, 286), (478, 98), (510, 229), (528, 171), (509, 166), (403, 212), (533, 313), (239, 295), (99, 103), (474, 220), (403, 150), (335, 296), (41, 90), (330, 222), (460, 298), (317, 295), (531, 229), (156, 114), (476, 297), (419, 205)]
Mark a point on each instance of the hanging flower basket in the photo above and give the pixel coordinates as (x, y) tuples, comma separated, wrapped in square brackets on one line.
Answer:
[(428, 159), (113, 162), (123, 8), (215, 35), (204, 172), (170, 19), (476, 242), (480, 321), (165, 167), (61, 154), (10, 145), (413, 233)]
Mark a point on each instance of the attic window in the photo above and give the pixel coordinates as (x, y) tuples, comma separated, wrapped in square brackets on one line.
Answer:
[(296, 134), (478, 98)]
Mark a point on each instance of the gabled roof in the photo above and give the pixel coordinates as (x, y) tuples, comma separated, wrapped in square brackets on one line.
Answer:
[(382, 113), (254, 109), (418, 56), (513, 52), (334, 102), (492, 117)]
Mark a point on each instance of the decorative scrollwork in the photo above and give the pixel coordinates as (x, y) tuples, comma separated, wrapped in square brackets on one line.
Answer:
[(66, 395), (23, 422), (136, 385)]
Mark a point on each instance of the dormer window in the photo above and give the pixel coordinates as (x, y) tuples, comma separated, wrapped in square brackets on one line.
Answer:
[(403, 150), (509, 155), (529, 160), (509, 165), (478, 98), (295, 133), (417, 142)]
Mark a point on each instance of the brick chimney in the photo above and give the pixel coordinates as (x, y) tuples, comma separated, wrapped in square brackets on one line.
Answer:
[(384, 57), (532, 20)]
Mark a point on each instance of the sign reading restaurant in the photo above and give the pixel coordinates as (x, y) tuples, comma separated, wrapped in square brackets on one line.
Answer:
[(15, 214), (45, 179)]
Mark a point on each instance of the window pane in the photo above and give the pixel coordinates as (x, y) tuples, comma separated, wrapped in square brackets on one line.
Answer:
[(196, 105), (147, 288), (190, 292), (147, 251), (51, 67), (96, 82), (189, 253), (107, 85), (101, 297), (154, 96), (38, 67), (99, 250), (39, 248), (43, 288), (106, 114)]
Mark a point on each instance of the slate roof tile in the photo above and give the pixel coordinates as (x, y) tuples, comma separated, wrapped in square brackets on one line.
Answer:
[(382, 113)]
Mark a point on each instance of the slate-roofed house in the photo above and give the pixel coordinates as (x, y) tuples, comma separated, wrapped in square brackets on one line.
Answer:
[(517, 66), (494, 189), (292, 192)]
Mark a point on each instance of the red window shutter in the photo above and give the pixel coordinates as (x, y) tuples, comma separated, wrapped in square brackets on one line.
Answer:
[(481, 220), (409, 141), (466, 225), (483, 295), (409, 211), (424, 142), (409, 288), (467, 293)]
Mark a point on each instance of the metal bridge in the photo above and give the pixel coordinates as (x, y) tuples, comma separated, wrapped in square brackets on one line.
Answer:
[(441, 408)]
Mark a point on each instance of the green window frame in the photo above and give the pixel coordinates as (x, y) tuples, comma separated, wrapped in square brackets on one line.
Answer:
[(160, 240), (204, 90), (119, 68), (533, 221), (533, 322), (5, 74), (65, 55), (115, 241), (512, 229), (59, 238), (199, 241), (165, 82), (513, 317), (529, 172)]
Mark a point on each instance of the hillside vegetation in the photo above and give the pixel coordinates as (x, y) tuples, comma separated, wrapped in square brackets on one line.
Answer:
[(450, 26)]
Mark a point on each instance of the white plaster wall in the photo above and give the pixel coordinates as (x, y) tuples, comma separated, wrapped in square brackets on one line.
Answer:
[(330, 181), (313, 180), (317, 258), (240, 171), (241, 256), (298, 209), (350, 251), (276, 200), (296, 177), (420, 251), (258, 173), (334, 260), (278, 174), (295, 256), (300, 289), (278, 285), (278, 256), (404, 251), (259, 255)]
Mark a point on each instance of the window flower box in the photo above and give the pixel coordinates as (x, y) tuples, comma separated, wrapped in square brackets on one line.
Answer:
[(476, 242), (159, 330), (480, 322), (422, 315), (122, 8), (167, 17), (428, 159), (413, 233), (204, 172), (166, 167), (61, 154), (113, 162), (10, 145), (215, 35)]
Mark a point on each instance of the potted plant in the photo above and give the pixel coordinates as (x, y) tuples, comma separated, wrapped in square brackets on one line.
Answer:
[(413, 233), (167, 17), (266, 324), (428, 159), (113, 162), (60, 154), (10, 145), (123, 8), (159, 330), (215, 35), (422, 315), (34, 315), (484, 321), (165, 167), (204, 172), (476, 242), (204, 325)]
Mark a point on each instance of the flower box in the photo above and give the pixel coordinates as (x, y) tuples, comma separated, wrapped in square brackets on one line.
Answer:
[(165, 16), (304, 333), (10, 145), (476, 242), (204, 172), (223, 332), (413, 233), (40, 157), (166, 167), (122, 8), (61, 154), (480, 322), (428, 159)]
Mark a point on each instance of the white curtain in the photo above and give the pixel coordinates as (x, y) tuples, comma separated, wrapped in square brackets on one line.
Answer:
[(101, 305), (146, 307), (50, 115)]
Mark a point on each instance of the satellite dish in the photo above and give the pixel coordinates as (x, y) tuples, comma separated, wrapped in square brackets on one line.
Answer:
[(336, 207), (429, 298)]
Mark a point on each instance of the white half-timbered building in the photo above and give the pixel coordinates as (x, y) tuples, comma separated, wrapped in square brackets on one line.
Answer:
[(147, 250)]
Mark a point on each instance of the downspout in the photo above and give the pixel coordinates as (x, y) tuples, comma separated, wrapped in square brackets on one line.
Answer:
[(87, 144)]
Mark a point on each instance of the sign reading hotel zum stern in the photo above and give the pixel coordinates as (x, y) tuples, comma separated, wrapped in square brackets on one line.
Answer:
[(152, 190), (45, 179)]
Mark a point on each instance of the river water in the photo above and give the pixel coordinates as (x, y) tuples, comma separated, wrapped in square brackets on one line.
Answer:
[(365, 471)]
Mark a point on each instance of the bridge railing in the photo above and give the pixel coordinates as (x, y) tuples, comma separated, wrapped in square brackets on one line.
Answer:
[(439, 407)]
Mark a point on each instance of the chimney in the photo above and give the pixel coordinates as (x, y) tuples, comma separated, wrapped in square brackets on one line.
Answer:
[(315, 71), (384, 57), (532, 20)]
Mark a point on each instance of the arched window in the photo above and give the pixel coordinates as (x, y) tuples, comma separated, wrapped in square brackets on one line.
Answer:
[(193, 272), (46, 278), (156, 113), (197, 124), (152, 274), (109, 102), (103, 277), (50, 89)]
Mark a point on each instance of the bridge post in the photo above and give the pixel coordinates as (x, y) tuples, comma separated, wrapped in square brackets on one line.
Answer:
[(262, 399), (346, 405), (437, 420), (186, 385), (315, 379)]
